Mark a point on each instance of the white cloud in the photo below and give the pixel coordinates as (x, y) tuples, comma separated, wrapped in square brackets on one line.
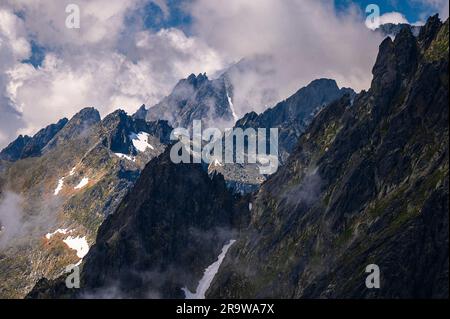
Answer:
[(303, 40), (433, 7), (105, 64), (162, 4), (106, 80), (10, 217), (13, 48)]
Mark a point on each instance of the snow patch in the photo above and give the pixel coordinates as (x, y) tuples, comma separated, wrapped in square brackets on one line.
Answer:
[(82, 183), (125, 156), (79, 244), (208, 275), (59, 186), (140, 141), (216, 162), (72, 171)]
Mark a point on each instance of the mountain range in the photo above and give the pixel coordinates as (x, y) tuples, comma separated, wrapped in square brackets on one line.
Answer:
[(363, 180)]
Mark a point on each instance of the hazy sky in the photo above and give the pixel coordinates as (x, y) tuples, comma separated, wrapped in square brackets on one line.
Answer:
[(127, 53)]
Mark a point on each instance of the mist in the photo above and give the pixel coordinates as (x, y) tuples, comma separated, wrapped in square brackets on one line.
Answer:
[(11, 214), (283, 45)]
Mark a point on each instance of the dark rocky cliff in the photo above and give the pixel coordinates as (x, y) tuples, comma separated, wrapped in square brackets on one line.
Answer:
[(194, 98)]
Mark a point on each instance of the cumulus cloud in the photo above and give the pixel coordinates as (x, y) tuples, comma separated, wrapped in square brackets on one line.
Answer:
[(13, 48), (102, 22), (107, 63), (286, 44)]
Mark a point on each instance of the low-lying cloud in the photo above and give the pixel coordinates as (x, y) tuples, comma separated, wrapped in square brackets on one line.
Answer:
[(11, 215)]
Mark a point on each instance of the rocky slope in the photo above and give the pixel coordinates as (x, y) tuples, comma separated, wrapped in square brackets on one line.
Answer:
[(51, 205), (367, 184), (161, 238)]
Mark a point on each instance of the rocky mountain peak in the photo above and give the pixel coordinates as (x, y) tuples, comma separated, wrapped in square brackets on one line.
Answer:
[(366, 184), (398, 59), (392, 29), (118, 115), (198, 80), (292, 115), (25, 146), (323, 84), (87, 115), (118, 130), (141, 113), (14, 150)]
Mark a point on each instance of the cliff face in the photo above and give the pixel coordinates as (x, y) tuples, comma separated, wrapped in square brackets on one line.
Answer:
[(165, 233), (293, 115), (366, 184)]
